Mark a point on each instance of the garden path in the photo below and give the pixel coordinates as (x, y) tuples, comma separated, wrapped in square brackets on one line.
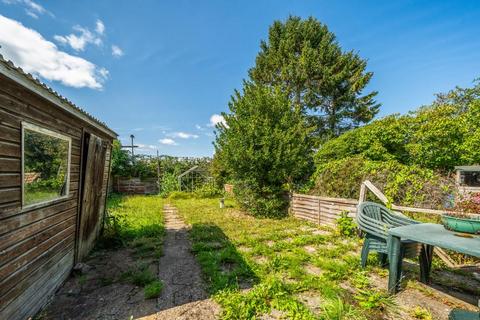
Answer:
[(183, 295)]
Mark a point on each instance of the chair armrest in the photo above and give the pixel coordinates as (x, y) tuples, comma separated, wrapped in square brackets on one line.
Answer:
[(372, 226), (401, 219)]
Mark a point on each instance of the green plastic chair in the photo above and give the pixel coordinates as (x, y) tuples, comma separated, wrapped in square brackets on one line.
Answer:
[(458, 314), (374, 220)]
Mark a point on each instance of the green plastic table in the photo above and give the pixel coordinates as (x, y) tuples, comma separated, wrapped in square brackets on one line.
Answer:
[(430, 235)]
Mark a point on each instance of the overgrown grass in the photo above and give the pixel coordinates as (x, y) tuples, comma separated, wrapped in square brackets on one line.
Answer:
[(279, 262), (136, 223)]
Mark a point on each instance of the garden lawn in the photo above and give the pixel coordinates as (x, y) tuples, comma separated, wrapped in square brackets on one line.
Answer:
[(280, 268)]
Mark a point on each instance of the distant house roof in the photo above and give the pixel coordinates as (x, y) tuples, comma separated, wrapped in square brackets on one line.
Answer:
[(8, 69), (468, 168)]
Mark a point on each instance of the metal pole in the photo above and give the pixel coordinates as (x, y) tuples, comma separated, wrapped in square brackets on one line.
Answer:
[(132, 137)]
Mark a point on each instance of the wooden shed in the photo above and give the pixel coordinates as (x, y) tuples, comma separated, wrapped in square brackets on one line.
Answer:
[(54, 171)]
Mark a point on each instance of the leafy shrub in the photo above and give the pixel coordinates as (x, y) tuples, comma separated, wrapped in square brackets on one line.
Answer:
[(439, 136), (207, 190), (346, 225), (402, 184), (265, 146), (266, 202), (169, 184)]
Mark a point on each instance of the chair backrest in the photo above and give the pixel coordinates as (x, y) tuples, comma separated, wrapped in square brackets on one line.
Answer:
[(376, 219)]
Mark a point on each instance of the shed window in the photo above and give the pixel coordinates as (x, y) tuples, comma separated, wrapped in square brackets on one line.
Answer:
[(46, 165), (470, 178)]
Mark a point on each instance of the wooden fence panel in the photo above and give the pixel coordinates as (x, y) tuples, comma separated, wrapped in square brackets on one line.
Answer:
[(321, 210)]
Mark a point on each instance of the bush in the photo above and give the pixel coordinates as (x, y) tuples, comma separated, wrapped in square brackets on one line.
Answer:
[(402, 184), (208, 190), (439, 136), (265, 202), (266, 148), (169, 184)]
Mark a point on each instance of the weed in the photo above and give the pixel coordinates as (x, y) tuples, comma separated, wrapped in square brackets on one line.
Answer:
[(153, 289), (140, 275), (337, 309), (370, 299), (421, 313)]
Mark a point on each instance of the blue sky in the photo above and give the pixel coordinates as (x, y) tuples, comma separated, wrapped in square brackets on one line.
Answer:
[(161, 69)]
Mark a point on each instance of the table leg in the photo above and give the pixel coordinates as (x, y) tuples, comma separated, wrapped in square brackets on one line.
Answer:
[(395, 261), (426, 255)]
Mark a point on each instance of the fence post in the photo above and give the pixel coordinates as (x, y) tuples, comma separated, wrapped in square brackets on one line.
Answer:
[(319, 212)]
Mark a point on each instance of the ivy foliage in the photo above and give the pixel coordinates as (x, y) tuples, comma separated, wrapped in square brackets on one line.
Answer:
[(439, 136), (410, 157)]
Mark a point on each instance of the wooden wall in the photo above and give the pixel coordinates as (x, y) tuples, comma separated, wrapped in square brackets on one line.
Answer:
[(135, 185), (321, 210), (36, 245)]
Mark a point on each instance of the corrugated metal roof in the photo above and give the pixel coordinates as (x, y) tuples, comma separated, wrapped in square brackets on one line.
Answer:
[(54, 96)]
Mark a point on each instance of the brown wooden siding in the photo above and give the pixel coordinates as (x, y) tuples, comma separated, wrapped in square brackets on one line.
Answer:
[(36, 245)]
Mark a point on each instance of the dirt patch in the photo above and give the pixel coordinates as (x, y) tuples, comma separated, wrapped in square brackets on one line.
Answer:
[(101, 293), (245, 249), (310, 249), (270, 243), (313, 270), (273, 315), (321, 232), (312, 300), (260, 259)]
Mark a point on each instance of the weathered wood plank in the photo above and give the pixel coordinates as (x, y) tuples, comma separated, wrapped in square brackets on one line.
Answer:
[(10, 195), (48, 114), (15, 222), (28, 289), (10, 165), (19, 274), (10, 180), (10, 134), (18, 249), (8, 269), (11, 238), (43, 294), (9, 149)]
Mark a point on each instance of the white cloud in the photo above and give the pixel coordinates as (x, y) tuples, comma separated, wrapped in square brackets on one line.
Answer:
[(199, 127), (117, 51), (183, 135), (28, 49), (216, 119), (79, 41), (146, 147), (138, 129), (168, 141), (99, 27), (32, 8)]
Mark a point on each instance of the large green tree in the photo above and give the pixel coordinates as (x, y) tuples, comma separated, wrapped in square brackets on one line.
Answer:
[(265, 147), (304, 59)]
